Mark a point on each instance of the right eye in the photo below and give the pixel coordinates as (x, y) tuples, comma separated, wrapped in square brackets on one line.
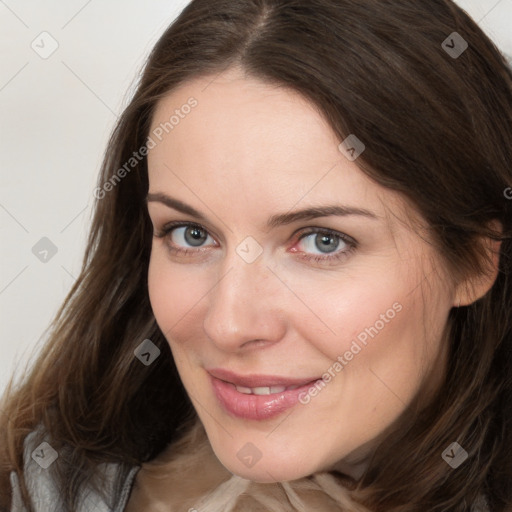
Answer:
[(182, 236)]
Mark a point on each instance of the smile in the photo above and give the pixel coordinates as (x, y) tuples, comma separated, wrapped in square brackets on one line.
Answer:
[(256, 397)]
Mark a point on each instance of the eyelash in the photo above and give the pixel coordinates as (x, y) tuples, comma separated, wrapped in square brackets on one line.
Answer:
[(335, 257)]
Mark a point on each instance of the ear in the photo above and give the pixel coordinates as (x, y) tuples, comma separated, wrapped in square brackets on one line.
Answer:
[(476, 286)]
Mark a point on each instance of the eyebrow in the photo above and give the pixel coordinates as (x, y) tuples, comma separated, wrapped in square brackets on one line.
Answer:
[(276, 220)]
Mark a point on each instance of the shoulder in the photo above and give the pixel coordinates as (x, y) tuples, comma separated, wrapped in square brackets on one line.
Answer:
[(37, 458)]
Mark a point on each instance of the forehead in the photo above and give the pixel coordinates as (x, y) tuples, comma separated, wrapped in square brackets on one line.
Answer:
[(243, 120), (264, 143)]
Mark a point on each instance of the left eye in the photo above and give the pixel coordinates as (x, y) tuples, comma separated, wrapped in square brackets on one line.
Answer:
[(324, 242)]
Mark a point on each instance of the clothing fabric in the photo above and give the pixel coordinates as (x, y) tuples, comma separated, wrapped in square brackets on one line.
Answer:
[(43, 491), (45, 497)]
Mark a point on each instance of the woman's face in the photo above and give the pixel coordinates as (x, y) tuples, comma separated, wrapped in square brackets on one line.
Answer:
[(266, 291)]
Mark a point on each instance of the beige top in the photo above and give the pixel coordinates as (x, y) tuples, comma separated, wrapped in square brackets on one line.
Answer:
[(160, 486)]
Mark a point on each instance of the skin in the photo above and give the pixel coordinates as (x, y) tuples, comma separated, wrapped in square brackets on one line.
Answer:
[(250, 150)]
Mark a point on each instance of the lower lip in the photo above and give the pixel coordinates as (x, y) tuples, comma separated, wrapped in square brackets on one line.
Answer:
[(255, 407)]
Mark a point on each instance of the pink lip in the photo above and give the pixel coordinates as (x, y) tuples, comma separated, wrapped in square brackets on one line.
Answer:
[(254, 381), (256, 407)]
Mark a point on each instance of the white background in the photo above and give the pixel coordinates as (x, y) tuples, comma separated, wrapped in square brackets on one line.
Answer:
[(56, 115)]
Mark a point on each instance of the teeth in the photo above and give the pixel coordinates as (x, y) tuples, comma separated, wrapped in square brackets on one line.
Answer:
[(264, 390), (241, 389), (261, 391)]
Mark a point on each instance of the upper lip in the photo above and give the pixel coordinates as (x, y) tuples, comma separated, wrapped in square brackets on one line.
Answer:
[(256, 381)]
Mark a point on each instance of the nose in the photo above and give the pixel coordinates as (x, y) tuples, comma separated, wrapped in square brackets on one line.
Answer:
[(247, 307)]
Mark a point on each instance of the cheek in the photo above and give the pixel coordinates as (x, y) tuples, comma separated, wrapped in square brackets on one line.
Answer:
[(382, 324), (159, 289), (398, 348), (354, 311), (174, 291)]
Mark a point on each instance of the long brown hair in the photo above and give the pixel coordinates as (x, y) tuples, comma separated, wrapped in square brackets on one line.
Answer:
[(437, 128)]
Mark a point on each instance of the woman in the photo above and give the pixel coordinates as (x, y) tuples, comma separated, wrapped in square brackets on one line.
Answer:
[(296, 292)]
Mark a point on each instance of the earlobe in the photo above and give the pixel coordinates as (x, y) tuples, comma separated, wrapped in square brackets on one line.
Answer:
[(476, 286)]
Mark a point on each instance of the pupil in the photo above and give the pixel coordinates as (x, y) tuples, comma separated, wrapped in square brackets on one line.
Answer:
[(328, 242), (195, 236)]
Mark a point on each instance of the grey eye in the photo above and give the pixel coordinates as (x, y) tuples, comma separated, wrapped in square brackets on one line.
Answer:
[(325, 243), (193, 236)]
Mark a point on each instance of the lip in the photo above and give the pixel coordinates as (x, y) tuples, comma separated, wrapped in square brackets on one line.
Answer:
[(254, 380), (256, 407)]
